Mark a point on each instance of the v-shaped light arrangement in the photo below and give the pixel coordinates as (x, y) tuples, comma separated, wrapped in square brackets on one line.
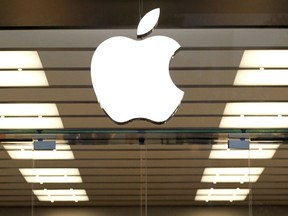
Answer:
[(24, 68), (25, 151), (238, 175)]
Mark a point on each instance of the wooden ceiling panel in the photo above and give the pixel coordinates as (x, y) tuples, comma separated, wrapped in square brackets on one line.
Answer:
[(69, 78), (202, 77), (207, 59), (66, 59)]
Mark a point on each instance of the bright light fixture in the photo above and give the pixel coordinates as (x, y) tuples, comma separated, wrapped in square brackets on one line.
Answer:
[(247, 112), (28, 109), (257, 151), (264, 59), (256, 108), (221, 194), (61, 195), (51, 175), (23, 78), (19, 60), (30, 122), (261, 77), (247, 115), (38, 116), (235, 174), (62, 152), (50, 171), (254, 122)]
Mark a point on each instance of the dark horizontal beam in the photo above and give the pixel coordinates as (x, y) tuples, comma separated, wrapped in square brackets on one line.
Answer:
[(113, 14)]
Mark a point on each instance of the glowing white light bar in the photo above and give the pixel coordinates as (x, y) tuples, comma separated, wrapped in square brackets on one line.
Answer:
[(62, 152), (257, 151), (40, 121), (19, 60), (30, 123), (61, 195), (254, 122), (264, 59), (221, 194), (244, 120), (53, 179), (51, 175), (261, 77), (23, 78), (242, 174), (62, 198), (50, 171), (26, 109), (255, 108)]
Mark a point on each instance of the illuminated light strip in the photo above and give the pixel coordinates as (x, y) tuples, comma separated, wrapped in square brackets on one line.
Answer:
[(255, 115), (23, 78), (221, 194), (254, 122), (257, 151), (261, 77), (19, 60), (61, 195), (51, 175), (240, 174), (38, 116), (31, 123), (256, 108), (28, 109), (264, 59)]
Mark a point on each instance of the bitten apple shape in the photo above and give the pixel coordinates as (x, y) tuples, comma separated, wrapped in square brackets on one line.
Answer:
[(131, 78)]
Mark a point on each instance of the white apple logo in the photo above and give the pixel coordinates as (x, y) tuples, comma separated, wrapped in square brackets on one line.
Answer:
[(131, 77)]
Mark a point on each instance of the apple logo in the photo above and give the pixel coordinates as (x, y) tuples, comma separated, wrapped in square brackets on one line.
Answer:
[(131, 78)]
